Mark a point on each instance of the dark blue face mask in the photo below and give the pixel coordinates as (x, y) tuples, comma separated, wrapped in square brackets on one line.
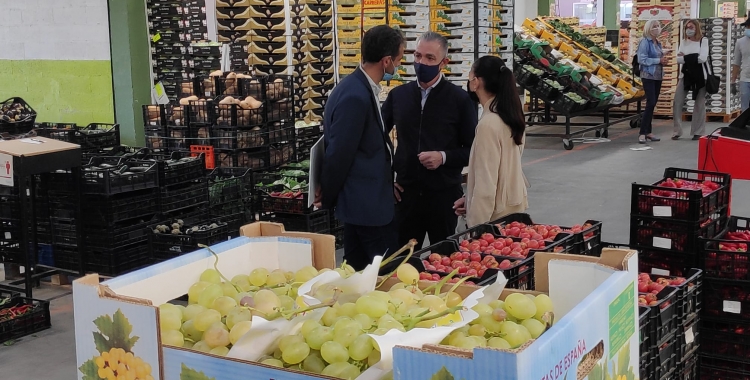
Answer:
[(426, 73)]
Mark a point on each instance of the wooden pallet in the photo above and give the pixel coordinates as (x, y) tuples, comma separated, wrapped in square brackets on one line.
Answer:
[(725, 118)]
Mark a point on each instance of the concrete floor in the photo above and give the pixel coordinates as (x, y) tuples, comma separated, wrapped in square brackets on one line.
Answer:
[(567, 187)]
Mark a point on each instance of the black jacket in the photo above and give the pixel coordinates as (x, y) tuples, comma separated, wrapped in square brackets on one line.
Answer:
[(447, 123), (356, 177), (694, 78)]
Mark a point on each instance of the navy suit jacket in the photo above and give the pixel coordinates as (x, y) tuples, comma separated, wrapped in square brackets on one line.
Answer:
[(357, 177)]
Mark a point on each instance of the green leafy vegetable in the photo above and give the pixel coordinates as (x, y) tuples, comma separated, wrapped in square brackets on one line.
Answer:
[(191, 374)]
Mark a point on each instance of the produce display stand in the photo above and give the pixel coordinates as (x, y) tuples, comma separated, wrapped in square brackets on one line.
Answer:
[(574, 78), (544, 116), (24, 159)]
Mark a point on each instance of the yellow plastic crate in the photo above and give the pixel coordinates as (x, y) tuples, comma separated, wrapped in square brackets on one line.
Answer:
[(589, 63), (551, 38), (532, 27), (569, 50)]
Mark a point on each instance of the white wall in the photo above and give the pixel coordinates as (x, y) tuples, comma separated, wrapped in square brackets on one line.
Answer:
[(524, 9), (54, 30)]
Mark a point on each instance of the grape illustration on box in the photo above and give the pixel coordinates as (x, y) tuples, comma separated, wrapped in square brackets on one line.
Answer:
[(116, 358)]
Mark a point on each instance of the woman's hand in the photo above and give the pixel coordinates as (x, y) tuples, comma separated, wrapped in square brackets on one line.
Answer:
[(460, 206), (664, 60)]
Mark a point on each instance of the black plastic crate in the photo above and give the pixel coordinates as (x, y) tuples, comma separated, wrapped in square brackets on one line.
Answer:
[(64, 231), (688, 293), (275, 200), (110, 181), (115, 263), (688, 369), (229, 186), (168, 245), (680, 204), (182, 168), (664, 314), (226, 137), (689, 340), (715, 369), (317, 222), (680, 236), (169, 49), (724, 259), (116, 236), (281, 132), (97, 136), (201, 112), (204, 50), (66, 256), (520, 274), (35, 320), (110, 210), (181, 138), (280, 110), (665, 357), (726, 300), (281, 154), (7, 295), (16, 116), (178, 197), (235, 115), (644, 329), (563, 243), (587, 241), (256, 159)]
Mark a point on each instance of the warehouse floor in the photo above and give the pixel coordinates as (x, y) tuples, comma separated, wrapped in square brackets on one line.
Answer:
[(567, 187)]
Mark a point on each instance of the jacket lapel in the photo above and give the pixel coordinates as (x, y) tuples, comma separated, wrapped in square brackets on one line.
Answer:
[(375, 103)]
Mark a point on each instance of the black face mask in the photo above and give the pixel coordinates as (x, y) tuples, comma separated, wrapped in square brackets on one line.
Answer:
[(472, 95)]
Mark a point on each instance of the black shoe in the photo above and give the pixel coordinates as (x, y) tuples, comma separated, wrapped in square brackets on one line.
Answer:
[(696, 137)]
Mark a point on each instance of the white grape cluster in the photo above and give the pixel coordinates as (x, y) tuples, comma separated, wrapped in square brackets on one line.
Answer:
[(220, 312), (508, 324)]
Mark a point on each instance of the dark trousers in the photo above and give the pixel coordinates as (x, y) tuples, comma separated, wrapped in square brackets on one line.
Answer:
[(423, 212), (363, 243), (652, 89)]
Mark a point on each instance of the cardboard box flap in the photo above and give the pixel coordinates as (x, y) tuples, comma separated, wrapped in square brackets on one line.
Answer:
[(324, 246), (34, 146), (570, 282), (619, 259)]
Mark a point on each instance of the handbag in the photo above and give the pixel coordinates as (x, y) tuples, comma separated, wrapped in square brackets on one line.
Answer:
[(712, 80)]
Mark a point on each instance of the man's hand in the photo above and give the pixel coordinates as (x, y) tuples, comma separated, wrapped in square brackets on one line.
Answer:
[(460, 206), (431, 160), (397, 190), (317, 201)]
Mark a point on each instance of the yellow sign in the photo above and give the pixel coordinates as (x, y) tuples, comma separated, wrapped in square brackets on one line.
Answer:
[(156, 38)]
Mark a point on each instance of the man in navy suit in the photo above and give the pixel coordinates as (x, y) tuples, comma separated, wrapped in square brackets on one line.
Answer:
[(357, 175)]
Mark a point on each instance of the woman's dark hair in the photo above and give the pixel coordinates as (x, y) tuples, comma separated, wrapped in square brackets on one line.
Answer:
[(499, 81), (380, 42)]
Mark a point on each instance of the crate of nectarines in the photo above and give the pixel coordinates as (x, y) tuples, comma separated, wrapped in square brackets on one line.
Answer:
[(726, 257), (587, 237), (488, 238), (473, 266), (689, 289), (663, 303)]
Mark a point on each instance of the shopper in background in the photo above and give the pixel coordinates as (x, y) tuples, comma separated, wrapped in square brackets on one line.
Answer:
[(741, 65), (651, 59), (356, 177), (496, 184), (435, 122), (692, 55)]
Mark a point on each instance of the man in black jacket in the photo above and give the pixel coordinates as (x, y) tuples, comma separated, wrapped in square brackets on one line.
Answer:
[(435, 122), (357, 175)]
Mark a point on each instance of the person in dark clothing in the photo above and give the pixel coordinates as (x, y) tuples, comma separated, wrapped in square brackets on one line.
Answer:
[(435, 122), (357, 175)]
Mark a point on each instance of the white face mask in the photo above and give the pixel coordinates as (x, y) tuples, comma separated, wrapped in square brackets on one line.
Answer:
[(690, 32)]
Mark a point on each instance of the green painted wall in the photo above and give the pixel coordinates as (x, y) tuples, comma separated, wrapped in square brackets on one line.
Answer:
[(610, 14), (543, 9), (61, 91), (130, 66)]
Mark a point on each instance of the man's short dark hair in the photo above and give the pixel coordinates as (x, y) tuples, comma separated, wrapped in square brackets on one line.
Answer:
[(381, 41)]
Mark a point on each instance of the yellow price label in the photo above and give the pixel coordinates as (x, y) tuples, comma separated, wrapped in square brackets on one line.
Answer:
[(159, 90), (156, 38)]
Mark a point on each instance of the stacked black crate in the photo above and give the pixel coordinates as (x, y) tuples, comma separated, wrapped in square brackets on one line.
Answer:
[(205, 58), (668, 219), (234, 23), (10, 223), (240, 136), (282, 197), (313, 47), (725, 347), (173, 25), (118, 200), (280, 118)]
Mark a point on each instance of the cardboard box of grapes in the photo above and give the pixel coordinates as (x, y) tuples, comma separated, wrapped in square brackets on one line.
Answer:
[(117, 322), (595, 332)]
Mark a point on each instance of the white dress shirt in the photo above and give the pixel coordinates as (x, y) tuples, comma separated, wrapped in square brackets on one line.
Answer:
[(376, 89), (425, 93)]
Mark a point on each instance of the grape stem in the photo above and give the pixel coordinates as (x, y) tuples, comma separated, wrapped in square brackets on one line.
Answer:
[(331, 302), (413, 322), (216, 267), (410, 246), (439, 285), (458, 283)]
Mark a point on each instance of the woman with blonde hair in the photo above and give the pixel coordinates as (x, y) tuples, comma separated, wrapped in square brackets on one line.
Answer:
[(692, 55), (651, 59)]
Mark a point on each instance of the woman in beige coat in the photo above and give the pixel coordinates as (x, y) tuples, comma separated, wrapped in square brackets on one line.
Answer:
[(496, 185)]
